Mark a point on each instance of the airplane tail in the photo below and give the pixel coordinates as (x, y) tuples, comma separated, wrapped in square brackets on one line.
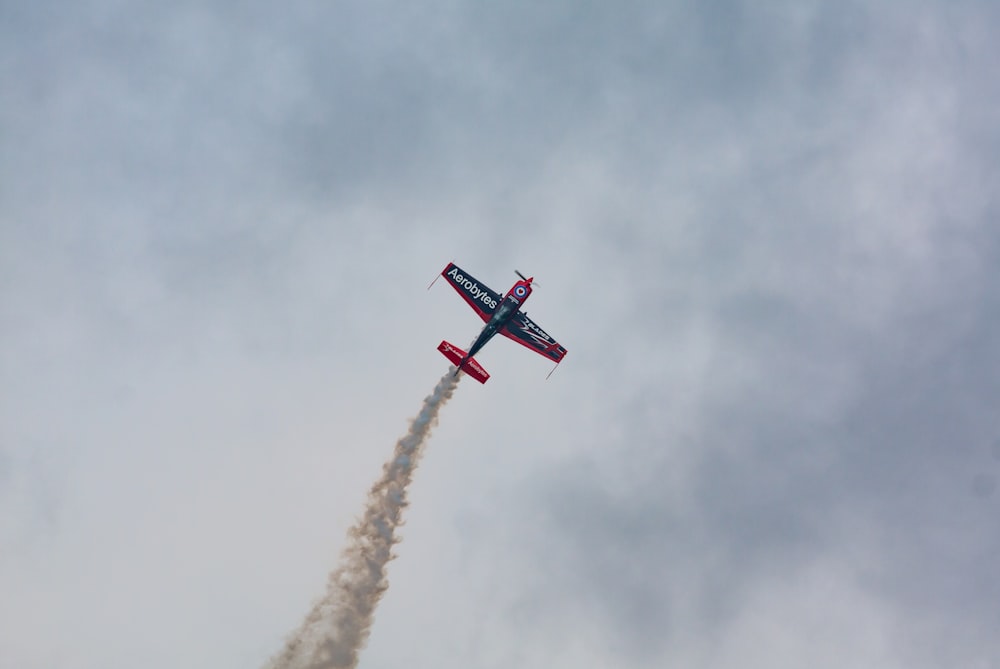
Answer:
[(459, 359)]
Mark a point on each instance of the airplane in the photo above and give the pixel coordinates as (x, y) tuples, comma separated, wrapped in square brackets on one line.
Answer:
[(501, 315)]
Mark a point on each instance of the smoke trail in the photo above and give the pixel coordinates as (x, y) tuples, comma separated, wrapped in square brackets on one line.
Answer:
[(337, 627)]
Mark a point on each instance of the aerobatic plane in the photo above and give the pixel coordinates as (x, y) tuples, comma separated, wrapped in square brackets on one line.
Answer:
[(501, 314)]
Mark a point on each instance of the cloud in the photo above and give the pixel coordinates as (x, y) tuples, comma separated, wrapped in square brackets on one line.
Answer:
[(765, 235)]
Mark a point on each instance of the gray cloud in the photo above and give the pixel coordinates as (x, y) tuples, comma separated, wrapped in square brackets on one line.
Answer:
[(765, 233)]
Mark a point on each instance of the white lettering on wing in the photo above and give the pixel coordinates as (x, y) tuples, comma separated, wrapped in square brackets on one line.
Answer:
[(477, 293), (536, 333)]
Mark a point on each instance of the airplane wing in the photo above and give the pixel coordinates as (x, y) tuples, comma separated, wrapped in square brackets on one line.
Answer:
[(479, 297), (523, 330)]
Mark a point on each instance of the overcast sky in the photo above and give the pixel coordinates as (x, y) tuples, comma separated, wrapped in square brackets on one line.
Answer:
[(767, 232)]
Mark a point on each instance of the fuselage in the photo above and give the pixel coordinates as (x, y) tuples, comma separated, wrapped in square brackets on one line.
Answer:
[(505, 311)]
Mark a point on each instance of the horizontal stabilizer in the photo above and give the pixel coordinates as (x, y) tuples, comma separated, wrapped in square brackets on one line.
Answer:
[(469, 366)]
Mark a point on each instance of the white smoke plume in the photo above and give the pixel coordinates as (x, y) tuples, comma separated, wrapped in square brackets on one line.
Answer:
[(337, 627)]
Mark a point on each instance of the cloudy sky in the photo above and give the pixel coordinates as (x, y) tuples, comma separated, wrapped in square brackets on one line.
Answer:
[(767, 232)]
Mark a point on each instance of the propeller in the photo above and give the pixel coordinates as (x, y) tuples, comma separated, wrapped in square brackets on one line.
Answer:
[(524, 278)]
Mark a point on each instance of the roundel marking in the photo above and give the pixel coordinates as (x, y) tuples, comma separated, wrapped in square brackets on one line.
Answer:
[(520, 291)]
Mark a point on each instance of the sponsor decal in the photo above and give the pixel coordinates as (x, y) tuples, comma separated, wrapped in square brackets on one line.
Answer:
[(477, 293), (476, 366), (537, 334)]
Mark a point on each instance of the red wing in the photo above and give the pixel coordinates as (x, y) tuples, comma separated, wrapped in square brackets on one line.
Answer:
[(479, 297), (524, 331)]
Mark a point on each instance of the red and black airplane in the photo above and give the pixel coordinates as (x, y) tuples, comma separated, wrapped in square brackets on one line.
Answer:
[(502, 315)]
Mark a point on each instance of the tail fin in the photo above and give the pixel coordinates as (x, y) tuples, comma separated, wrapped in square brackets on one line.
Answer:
[(470, 366)]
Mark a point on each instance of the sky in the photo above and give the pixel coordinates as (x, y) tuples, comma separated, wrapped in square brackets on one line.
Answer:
[(767, 233)]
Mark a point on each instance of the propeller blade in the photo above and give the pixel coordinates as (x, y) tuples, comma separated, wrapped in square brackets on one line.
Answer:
[(524, 278)]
